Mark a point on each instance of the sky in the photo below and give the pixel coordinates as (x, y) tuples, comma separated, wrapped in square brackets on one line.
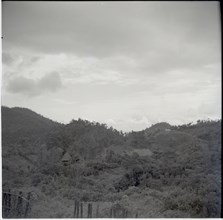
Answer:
[(126, 64)]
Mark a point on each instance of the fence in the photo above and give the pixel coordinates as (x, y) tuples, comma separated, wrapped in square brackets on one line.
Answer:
[(79, 210), (15, 205), (85, 210)]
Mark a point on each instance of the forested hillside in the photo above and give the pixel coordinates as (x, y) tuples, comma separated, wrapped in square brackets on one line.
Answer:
[(22, 123), (162, 171)]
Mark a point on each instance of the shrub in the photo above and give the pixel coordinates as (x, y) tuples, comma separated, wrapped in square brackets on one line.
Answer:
[(36, 180), (196, 205)]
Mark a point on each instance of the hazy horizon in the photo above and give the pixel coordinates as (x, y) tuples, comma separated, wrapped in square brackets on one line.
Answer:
[(149, 125), (126, 64)]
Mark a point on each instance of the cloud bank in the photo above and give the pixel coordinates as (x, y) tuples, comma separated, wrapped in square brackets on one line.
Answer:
[(30, 87), (111, 61)]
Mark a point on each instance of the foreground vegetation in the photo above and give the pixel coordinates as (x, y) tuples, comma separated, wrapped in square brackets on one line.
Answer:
[(162, 171)]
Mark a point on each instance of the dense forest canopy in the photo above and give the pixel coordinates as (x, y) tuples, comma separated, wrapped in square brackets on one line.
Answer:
[(162, 171)]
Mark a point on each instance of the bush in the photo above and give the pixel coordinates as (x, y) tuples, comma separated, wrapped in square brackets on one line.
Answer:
[(194, 204), (86, 196), (36, 180), (132, 178)]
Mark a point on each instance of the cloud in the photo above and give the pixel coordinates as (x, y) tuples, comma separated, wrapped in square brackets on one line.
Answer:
[(51, 82), (73, 69), (142, 38), (22, 85), (30, 87), (7, 58), (141, 62), (177, 31)]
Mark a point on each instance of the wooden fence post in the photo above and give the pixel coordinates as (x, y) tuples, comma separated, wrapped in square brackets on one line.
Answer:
[(110, 215), (75, 208), (27, 205), (126, 214), (123, 213), (78, 206), (9, 201), (82, 210), (97, 211), (5, 204), (19, 205), (89, 210)]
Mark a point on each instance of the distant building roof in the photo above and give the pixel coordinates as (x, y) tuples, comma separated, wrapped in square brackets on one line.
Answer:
[(66, 157)]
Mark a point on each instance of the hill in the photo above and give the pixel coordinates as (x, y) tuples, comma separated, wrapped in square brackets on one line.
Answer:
[(85, 139), (21, 123), (24, 132), (162, 171)]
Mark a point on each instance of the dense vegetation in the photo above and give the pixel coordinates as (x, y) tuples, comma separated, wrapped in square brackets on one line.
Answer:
[(162, 171), (22, 123)]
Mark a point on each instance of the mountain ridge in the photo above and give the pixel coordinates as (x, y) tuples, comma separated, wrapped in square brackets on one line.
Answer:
[(177, 166), (24, 123)]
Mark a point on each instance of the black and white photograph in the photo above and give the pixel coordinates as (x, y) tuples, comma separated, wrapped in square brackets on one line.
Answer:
[(111, 109)]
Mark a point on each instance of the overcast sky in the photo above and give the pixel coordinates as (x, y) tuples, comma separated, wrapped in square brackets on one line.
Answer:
[(127, 64)]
